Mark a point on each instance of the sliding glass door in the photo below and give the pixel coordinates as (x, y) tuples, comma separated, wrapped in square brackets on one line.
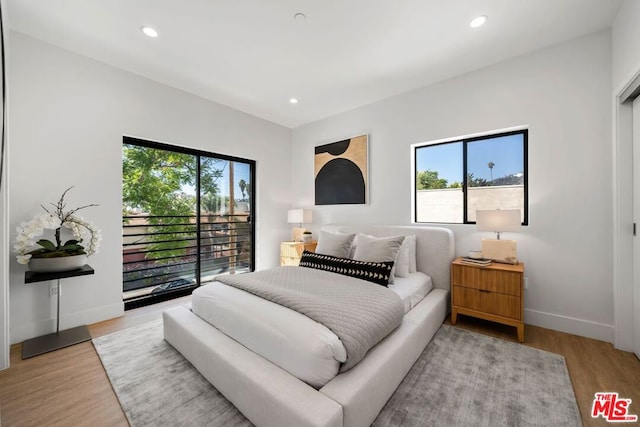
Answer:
[(187, 217), (226, 230)]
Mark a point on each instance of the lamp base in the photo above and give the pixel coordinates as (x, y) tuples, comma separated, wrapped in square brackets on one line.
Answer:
[(503, 251)]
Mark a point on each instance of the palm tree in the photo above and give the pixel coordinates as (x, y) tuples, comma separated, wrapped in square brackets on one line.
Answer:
[(491, 165)]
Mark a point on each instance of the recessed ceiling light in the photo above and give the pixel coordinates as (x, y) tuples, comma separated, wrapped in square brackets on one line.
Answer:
[(478, 22), (293, 101), (299, 16), (151, 32)]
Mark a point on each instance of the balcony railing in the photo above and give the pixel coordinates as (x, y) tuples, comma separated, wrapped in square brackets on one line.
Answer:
[(164, 253)]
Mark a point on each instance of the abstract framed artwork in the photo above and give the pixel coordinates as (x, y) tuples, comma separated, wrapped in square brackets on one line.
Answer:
[(341, 172)]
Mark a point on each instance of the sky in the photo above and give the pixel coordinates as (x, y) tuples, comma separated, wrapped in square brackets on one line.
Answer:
[(505, 152), (240, 171)]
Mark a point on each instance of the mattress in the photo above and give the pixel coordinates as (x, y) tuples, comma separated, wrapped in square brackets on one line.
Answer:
[(297, 344), (412, 289)]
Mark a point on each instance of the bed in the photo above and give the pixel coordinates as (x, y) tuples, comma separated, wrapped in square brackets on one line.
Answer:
[(269, 395)]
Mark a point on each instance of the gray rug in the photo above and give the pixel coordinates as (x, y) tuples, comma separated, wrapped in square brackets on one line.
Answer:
[(461, 379)]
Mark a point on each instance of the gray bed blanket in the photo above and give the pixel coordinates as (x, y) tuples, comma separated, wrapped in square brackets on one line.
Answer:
[(360, 313)]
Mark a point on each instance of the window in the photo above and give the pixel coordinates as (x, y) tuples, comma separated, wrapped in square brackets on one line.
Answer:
[(455, 178), (187, 217)]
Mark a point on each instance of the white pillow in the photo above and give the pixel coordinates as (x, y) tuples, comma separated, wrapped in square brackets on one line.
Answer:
[(334, 244), (371, 248), (354, 245), (403, 263), (412, 241), (406, 255)]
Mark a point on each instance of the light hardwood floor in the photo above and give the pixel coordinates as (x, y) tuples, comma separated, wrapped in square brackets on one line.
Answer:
[(69, 387)]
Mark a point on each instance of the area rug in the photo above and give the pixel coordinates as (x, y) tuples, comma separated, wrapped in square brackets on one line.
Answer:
[(461, 379)]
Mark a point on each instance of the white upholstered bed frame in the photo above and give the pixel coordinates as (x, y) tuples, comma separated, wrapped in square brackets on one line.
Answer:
[(270, 396)]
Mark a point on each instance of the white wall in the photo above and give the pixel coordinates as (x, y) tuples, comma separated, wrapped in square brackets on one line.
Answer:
[(625, 34), (68, 114), (563, 94)]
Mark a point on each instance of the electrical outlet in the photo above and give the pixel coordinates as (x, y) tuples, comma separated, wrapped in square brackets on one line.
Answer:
[(526, 283), (53, 290)]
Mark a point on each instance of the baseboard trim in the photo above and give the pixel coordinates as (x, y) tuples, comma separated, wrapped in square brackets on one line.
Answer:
[(570, 325), (70, 320)]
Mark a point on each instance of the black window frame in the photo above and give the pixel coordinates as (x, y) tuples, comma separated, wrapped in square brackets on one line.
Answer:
[(187, 290), (465, 141)]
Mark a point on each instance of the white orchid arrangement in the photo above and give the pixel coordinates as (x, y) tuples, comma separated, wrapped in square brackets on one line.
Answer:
[(28, 247)]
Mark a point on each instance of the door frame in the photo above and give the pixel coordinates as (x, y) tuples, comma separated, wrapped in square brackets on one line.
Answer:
[(5, 248), (5, 343), (623, 214), (198, 154)]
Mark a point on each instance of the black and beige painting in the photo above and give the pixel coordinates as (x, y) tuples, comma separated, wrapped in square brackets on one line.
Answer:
[(341, 172)]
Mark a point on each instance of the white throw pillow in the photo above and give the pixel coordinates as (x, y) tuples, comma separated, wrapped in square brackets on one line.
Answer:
[(334, 244), (407, 254), (412, 242), (403, 263), (371, 248)]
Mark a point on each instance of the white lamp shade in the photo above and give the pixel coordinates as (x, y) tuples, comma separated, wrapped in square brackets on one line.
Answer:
[(299, 216), (498, 220)]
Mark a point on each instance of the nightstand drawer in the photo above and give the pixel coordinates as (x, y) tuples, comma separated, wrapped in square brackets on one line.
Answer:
[(290, 252), (487, 302), (504, 282), (289, 261)]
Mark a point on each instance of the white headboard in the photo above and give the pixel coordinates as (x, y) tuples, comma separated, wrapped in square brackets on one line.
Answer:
[(435, 247)]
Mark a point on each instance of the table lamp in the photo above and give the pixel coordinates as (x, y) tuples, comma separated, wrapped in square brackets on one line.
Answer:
[(499, 221), (299, 216)]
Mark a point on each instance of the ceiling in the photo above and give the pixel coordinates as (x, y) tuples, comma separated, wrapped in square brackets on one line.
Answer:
[(253, 55)]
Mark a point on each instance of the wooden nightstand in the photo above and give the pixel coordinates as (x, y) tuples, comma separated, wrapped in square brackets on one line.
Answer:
[(290, 252), (494, 292)]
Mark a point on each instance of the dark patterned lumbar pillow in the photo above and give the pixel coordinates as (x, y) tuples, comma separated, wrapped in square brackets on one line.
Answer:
[(376, 272)]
